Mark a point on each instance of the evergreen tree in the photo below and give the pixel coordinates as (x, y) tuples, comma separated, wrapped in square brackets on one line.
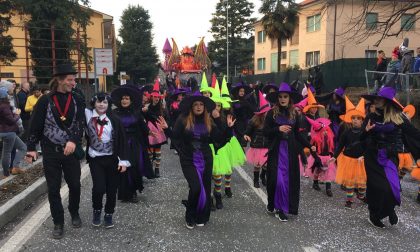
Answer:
[(241, 41), (62, 15), (280, 20), (137, 56), (7, 54)]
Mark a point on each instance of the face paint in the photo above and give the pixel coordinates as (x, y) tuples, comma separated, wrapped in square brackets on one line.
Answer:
[(101, 106)]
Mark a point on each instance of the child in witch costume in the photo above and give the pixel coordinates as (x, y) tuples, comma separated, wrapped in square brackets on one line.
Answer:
[(282, 130), (127, 98), (242, 110), (335, 108), (323, 138), (174, 111), (157, 138), (350, 166), (227, 157), (256, 155), (193, 133), (405, 160), (381, 133), (106, 155)]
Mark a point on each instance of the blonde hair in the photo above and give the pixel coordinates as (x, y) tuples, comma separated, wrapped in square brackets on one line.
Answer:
[(190, 121), (392, 115), (258, 120)]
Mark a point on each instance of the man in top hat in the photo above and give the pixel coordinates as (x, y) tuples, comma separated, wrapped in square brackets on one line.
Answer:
[(58, 123)]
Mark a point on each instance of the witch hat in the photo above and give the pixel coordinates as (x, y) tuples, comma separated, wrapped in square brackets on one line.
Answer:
[(351, 111), (409, 111), (213, 80), (312, 103), (204, 87), (156, 89), (319, 123), (264, 105), (225, 91), (302, 103), (217, 98)]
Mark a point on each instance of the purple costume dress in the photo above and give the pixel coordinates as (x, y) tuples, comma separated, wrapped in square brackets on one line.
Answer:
[(283, 177)]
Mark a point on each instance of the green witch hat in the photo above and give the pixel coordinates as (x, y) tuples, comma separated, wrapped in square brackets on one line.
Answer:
[(217, 98), (225, 91), (204, 87)]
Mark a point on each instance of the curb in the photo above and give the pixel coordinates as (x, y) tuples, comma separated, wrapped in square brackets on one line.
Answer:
[(15, 206), (11, 177)]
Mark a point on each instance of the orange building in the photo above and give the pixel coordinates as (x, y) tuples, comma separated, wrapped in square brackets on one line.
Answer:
[(316, 41), (100, 33)]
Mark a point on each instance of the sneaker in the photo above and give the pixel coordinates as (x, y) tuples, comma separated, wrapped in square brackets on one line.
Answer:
[(108, 221), (281, 216), (96, 220), (76, 222), (269, 210), (257, 184), (189, 225), (316, 187), (393, 218), (228, 192), (348, 204), (200, 224), (17, 170), (58, 231), (376, 223)]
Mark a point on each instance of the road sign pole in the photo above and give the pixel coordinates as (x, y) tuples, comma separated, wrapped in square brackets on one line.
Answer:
[(94, 71)]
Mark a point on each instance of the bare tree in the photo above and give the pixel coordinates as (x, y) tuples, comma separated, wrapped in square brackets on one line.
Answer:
[(390, 14)]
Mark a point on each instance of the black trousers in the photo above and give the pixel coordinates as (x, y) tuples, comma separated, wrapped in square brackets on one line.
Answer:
[(105, 176), (55, 164)]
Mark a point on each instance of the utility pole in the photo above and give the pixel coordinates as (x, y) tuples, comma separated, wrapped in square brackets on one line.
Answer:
[(227, 39)]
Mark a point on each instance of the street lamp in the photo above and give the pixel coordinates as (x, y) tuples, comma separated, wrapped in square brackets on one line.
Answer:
[(227, 39)]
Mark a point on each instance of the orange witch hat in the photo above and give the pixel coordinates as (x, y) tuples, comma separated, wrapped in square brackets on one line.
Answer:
[(359, 110), (312, 103), (409, 111)]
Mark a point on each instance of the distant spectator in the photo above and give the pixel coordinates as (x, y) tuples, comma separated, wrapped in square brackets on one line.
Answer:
[(417, 69), (381, 65), (393, 68), (45, 91), (8, 129), (22, 96), (318, 82), (32, 99)]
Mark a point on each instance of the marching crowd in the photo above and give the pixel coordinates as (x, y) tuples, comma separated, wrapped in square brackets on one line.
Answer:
[(291, 133)]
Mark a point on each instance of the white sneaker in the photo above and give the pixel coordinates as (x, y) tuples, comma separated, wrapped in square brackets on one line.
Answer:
[(189, 225)]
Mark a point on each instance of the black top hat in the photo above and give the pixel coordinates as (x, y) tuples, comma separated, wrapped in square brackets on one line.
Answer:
[(64, 69)]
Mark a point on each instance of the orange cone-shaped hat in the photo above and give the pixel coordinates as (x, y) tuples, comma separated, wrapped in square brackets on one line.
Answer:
[(312, 103), (359, 110)]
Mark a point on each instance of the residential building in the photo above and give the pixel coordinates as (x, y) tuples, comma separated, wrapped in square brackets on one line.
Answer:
[(315, 40), (100, 34)]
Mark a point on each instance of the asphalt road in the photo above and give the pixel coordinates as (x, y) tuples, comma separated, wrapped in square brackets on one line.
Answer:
[(156, 223)]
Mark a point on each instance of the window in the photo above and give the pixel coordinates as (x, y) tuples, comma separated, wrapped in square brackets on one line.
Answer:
[(274, 43), (283, 42), (261, 64), (312, 58), (261, 37), (294, 57), (7, 75), (408, 22), (274, 62), (313, 23), (283, 55), (371, 20), (371, 54), (294, 40)]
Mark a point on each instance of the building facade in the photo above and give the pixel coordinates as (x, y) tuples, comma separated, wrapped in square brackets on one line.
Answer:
[(329, 33), (100, 33)]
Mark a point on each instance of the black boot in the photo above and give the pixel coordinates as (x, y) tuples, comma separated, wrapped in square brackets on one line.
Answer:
[(76, 222), (263, 178), (58, 231), (228, 192), (157, 174), (212, 206), (315, 185), (218, 197), (328, 189), (256, 179)]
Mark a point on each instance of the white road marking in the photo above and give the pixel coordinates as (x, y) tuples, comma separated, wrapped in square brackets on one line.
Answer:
[(263, 196), (31, 223)]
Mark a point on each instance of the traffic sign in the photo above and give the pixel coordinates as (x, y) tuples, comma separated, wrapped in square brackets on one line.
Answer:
[(104, 61)]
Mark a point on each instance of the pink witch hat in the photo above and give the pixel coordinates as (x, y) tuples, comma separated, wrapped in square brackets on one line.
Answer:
[(264, 105), (319, 123), (302, 103), (156, 90)]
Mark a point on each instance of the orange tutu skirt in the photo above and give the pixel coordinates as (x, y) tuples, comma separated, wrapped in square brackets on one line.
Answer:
[(350, 172), (405, 161), (416, 173)]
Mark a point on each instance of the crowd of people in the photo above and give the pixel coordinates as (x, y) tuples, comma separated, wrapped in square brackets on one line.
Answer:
[(291, 133)]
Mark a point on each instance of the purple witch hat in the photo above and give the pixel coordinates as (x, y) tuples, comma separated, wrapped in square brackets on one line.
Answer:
[(339, 92), (266, 89), (387, 93), (284, 88), (186, 104), (235, 89), (167, 49)]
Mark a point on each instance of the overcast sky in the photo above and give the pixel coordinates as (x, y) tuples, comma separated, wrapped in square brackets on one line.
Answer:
[(184, 20)]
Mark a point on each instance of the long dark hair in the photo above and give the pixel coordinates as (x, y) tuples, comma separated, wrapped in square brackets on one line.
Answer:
[(290, 109)]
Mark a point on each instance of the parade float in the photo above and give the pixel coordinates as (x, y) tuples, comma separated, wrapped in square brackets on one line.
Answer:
[(186, 65)]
